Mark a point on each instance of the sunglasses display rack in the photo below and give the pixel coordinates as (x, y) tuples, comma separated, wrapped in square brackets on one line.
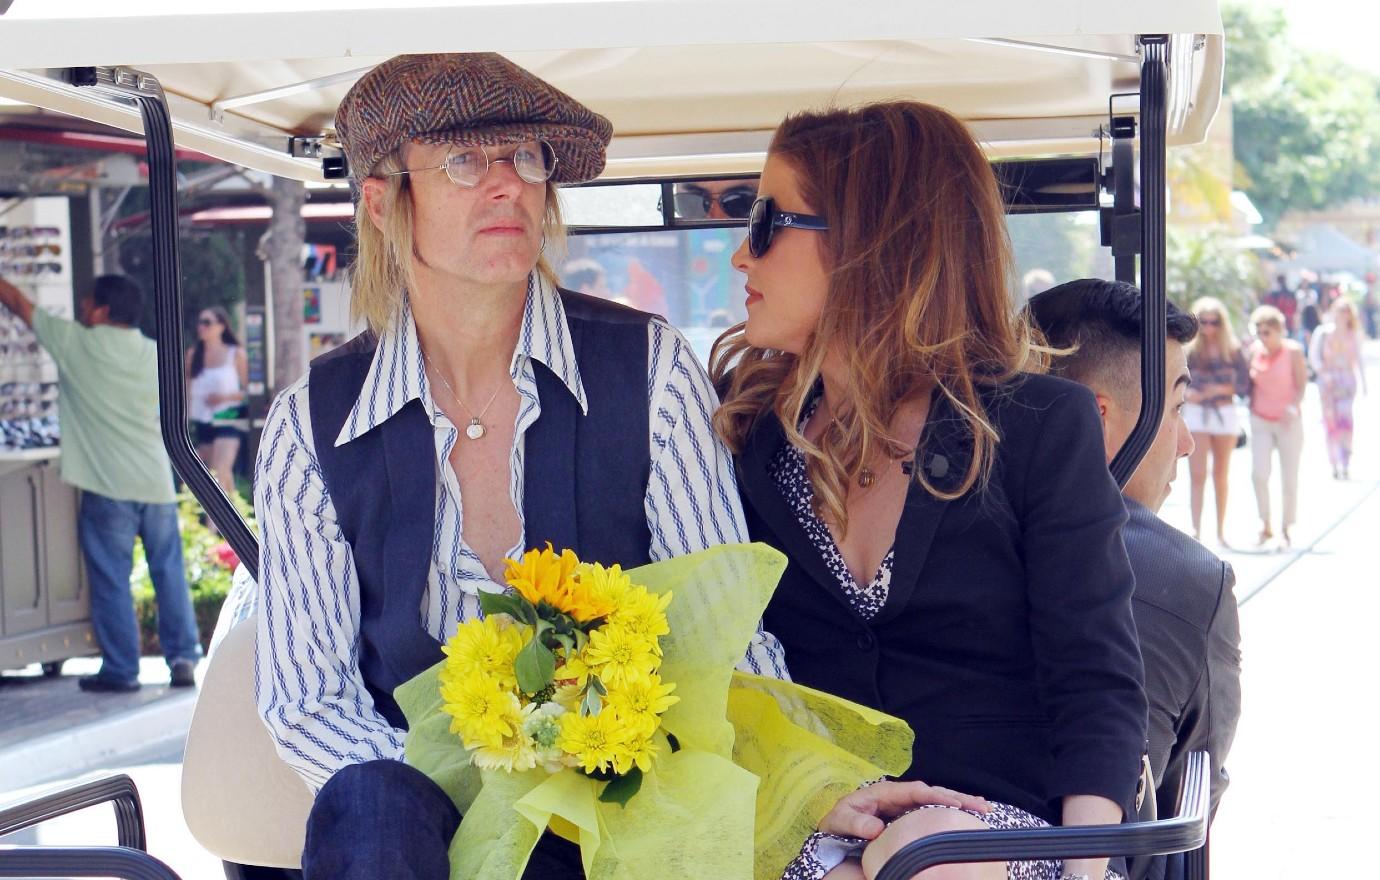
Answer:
[(35, 257)]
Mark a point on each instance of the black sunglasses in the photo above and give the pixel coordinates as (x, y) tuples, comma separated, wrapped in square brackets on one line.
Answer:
[(694, 203), (764, 219)]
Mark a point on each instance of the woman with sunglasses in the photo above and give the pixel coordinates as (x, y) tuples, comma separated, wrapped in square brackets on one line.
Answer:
[(1220, 373), (217, 378), (952, 530)]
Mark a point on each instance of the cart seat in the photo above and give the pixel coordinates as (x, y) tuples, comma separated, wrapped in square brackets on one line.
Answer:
[(241, 802)]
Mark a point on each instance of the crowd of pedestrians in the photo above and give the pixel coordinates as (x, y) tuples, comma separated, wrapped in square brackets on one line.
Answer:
[(1313, 332)]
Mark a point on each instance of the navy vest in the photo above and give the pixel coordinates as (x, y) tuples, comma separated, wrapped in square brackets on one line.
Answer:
[(585, 480)]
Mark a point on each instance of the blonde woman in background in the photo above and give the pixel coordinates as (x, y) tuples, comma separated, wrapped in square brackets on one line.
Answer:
[(1279, 378), (1220, 372), (1335, 355)]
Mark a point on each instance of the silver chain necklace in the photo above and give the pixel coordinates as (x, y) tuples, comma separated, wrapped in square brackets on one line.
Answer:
[(475, 429)]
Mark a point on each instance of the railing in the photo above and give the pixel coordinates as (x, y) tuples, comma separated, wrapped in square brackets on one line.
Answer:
[(127, 861), (1186, 831)]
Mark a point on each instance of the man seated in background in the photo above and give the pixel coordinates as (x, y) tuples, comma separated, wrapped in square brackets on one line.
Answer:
[(1183, 603)]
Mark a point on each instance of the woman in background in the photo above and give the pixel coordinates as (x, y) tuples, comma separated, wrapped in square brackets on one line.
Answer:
[(217, 376), (1335, 355), (1279, 378), (1220, 372)]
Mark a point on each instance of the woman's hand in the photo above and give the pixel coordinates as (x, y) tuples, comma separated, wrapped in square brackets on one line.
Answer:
[(864, 813)]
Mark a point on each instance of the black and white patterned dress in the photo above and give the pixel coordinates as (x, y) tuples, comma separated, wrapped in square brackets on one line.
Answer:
[(823, 852)]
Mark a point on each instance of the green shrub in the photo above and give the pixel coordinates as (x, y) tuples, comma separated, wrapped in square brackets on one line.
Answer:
[(209, 573)]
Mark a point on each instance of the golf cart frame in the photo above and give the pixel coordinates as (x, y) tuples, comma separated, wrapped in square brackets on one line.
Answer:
[(1131, 230)]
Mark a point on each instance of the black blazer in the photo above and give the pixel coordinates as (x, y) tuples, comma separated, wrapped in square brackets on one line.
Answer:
[(1191, 638), (1007, 641)]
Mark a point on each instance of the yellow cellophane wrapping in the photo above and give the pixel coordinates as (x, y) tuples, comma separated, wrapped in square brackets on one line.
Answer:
[(760, 760)]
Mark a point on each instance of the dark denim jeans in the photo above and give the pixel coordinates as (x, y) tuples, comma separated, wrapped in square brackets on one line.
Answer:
[(106, 530), (386, 819)]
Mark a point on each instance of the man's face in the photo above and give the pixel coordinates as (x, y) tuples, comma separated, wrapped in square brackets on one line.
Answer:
[(1150, 484), (488, 234), (715, 199)]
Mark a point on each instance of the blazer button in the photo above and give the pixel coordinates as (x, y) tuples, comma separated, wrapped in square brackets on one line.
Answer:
[(866, 642)]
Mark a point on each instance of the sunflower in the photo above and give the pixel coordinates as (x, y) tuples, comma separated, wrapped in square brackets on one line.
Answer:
[(542, 576)]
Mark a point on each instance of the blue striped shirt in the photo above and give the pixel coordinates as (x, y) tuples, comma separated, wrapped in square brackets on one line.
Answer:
[(309, 687)]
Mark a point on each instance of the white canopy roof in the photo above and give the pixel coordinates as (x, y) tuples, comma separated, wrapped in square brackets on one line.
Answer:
[(690, 85)]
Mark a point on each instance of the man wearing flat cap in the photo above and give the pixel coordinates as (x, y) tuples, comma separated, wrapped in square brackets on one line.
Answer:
[(485, 411)]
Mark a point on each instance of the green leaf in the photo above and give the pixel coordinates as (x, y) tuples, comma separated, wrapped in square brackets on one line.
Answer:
[(510, 604), (598, 685), (592, 703), (622, 788), (535, 667), (566, 642)]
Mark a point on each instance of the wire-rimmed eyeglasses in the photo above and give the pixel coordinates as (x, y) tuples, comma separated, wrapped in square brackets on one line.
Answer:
[(534, 162)]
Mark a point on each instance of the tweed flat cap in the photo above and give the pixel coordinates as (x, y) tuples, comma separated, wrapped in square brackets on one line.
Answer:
[(476, 98)]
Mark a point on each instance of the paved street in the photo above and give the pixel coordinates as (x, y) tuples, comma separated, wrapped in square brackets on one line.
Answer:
[(1301, 764)]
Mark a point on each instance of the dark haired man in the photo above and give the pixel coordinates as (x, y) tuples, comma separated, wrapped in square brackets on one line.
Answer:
[(112, 450), (1183, 603)]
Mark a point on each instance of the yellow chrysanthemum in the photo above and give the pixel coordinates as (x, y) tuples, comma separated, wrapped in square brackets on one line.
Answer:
[(517, 754), (638, 751), (594, 740), (574, 669), (543, 576), (643, 613), (483, 712), (607, 584), (487, 648), (618, 655), (642, 701)]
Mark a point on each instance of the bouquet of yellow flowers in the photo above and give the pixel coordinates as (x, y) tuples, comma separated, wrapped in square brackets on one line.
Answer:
[(557, 711), (563, 672)]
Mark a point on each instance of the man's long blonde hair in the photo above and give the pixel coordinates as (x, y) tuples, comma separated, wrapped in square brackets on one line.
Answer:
[(919, 295), (382, 268)]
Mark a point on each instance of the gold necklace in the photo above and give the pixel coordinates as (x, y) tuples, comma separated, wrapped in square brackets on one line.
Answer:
[(475, 429)]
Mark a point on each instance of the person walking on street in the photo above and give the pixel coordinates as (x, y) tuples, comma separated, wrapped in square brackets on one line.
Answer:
[(1335, 355), (1279, 378), (217, 375), (112, 450), (1220, 372)]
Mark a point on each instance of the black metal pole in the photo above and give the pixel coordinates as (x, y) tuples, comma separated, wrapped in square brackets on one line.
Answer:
[(1153, 121), (145, 92)]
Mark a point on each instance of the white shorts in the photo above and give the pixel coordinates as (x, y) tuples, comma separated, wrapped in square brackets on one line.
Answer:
[(1219, 420)]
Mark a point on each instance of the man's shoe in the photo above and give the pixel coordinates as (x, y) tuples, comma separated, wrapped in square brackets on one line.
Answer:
[(183, 673), (96, 684)]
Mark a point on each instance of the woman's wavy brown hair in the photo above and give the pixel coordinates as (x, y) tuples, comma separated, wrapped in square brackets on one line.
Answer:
[(919, 296)]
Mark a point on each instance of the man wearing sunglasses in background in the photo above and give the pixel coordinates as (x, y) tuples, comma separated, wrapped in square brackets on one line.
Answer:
[(715, 199), (485, 411), (113, 452)]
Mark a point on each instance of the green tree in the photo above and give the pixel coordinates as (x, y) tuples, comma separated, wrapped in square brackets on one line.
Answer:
[(1205, 263), (212, 275), (1306, 134)]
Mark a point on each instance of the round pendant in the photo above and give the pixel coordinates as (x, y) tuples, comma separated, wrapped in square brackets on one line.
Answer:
[(475, 430)]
